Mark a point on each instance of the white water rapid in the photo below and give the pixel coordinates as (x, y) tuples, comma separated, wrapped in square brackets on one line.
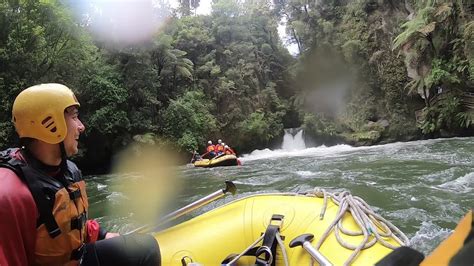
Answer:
[(293, 140)]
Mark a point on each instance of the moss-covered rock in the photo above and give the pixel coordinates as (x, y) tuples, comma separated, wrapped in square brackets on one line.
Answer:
[(363, 138)]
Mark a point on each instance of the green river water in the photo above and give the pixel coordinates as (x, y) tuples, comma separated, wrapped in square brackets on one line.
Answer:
[(422, 187)]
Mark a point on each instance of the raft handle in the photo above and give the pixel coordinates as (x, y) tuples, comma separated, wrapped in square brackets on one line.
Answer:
[(304, 240)]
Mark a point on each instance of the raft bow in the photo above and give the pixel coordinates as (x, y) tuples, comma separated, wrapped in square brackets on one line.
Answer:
[(259, 229)]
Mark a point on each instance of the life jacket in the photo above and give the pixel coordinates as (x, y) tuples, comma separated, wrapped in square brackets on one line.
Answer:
[(220, 148), (229, 151), (210, 148), (62, 207)]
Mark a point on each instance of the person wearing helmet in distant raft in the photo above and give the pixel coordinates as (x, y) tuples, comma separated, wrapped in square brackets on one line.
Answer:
[(220, 147), (228, 150), (43, 199), (210, 151)]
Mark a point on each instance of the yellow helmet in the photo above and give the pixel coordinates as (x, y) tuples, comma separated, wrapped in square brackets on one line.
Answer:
[(38, 112)]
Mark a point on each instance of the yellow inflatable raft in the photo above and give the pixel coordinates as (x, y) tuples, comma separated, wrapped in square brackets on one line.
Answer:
[(232, 229), (224, 160)]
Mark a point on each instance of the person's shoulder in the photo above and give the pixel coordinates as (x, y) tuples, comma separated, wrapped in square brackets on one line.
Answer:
[(76, 173), (15, 197), (72, 165), (8, 177), (12, 186)]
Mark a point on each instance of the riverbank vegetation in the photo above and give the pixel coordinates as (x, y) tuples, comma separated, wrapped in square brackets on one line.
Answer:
[(365, 71)]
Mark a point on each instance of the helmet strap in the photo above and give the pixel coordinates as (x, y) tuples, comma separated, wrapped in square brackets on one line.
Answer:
[(63, 164)]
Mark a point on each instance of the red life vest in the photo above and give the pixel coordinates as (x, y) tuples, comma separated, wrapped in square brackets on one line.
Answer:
[(229, 151), (220, 148), (61, 230)]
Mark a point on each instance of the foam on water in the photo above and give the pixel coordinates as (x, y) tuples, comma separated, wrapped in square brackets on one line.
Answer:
[(305, 173), (440, 176), (410, 214), (115, 197), (428, 237), (314, 151), (463, 184), (101, 186), (387, 149)]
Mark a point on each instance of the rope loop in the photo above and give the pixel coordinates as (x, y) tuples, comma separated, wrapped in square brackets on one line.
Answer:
[(373, 227)]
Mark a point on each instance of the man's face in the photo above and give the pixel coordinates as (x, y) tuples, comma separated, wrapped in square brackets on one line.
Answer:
[(74, 129)]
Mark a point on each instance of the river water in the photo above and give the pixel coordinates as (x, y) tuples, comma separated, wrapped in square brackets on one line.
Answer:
[(422, 187)]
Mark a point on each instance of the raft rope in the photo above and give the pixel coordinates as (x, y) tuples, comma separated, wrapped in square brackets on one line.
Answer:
[(282, 247), (280, 244), (365, 218)]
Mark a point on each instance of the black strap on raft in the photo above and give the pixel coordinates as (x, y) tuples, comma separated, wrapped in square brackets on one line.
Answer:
[(265, 254)]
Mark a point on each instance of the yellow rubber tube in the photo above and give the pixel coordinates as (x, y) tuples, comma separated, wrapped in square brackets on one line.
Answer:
[(209, 238)]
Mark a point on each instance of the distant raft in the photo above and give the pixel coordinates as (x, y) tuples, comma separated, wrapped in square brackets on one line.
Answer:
[(224, 160), (271, 229)]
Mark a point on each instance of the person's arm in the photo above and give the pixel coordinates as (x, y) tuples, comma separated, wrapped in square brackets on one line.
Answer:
[(18, 215), (95, 232)]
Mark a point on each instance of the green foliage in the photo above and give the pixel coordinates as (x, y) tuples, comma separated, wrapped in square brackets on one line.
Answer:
[(466, 119), (107, 120), (442, 73), (365, 137), (6, 133), (359, 111), (40, 42), (417, 28), (229, 74), (103, 98), (147, 138), (402, 128), (189, 121), (171, 64), (468, 36), (318, 126), (433, 46), (260, 127), (446, 115), (185, 6), (352, 50)]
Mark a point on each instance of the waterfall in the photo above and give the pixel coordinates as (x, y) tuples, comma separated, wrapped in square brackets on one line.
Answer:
[(293, 139)]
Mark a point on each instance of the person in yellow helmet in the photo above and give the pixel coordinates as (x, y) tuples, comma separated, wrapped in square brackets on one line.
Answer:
[(43, 198)]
